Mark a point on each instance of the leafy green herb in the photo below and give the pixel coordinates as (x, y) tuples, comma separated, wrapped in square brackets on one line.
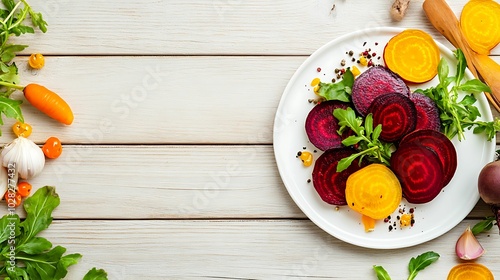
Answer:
[(338, 91), (459, 115), (12, 19), (365, 138), (420, 262), (23, 254), (381, 273), (96, 274), (485, 225), (414, 266)]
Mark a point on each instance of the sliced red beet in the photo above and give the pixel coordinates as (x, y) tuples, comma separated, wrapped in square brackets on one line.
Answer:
[(330, 184), (396, 113), (420, 172), (427, 112), (373, 82), (440, 144), (321, 126)]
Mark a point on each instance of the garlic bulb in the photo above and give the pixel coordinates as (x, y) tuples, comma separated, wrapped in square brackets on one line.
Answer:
[(467, 247), (28, 158)]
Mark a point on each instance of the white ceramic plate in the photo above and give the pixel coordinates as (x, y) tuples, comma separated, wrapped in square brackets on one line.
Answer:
[(433, 219)]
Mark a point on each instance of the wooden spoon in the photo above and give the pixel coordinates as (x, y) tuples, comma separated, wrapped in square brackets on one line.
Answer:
[(444, 20)]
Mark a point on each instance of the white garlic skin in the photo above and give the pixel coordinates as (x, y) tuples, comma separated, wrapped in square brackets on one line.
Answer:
[(28, 158)]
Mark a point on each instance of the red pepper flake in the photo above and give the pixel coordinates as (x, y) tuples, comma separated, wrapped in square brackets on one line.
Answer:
[(370, 63), (318, 69), (374, 54)]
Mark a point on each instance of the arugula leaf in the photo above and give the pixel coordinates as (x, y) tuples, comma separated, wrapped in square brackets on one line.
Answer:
[(381, 273), (36, 259), (338, 91), (11, 108), (6, 223), (365, 137), (35, 245), (484, 225), (96, 274), (421, 262), (457, 115), (39, 209), (12, 18)]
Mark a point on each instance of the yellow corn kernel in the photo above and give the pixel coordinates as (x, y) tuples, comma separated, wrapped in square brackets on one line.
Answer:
[(363, 61), (355, 71), (306, 158), (315, 82), (405, 220), (316, 89)]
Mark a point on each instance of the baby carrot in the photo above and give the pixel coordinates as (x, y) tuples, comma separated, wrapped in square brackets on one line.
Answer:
[(49, 103)]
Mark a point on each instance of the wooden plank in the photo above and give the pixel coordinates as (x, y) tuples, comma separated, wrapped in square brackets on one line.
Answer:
[(172, 182), (215, 27), (162, 100), (253, 249), (157, 182)]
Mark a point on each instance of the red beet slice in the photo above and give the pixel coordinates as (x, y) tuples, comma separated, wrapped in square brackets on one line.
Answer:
[(396, 113), (440, 144), (373, 82), (420, 172), (427, 112), (329, 183), (321, 126)]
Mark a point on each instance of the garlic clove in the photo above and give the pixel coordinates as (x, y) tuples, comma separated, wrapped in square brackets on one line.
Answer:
[(25, 156), (467, 247)]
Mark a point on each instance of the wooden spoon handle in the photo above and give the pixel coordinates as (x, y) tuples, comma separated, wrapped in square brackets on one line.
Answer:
[(444, 20)]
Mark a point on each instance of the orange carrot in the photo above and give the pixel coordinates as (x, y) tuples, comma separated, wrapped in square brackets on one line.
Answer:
[(480, 24), (470, 271), (49, 103), (413, 55)]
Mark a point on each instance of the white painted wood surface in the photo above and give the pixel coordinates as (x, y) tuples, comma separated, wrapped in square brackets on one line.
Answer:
[(168, 171)]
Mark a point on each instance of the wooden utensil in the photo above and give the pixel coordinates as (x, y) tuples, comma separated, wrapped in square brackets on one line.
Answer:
[(444, 20)]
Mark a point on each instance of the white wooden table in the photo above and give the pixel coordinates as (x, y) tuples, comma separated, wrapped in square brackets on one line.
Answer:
[(168, 171)]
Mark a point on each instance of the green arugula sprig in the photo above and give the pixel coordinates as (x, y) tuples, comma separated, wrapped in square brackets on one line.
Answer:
[(365, 138), (458, 115), (12, 19), (340, 90), (35, 257), (414, 266), (484, 225)]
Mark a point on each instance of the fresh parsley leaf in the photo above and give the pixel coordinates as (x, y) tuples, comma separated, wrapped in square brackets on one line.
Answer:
[(381, 273), (421, 262), (96, 274), (485, 225)]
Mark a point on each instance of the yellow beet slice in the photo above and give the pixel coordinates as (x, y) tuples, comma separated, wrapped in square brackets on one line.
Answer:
[(373, 191), (474, 271), (480, 24), (413, 55)]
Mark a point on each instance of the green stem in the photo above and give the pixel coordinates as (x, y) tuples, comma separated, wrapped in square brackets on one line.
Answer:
[(11, 85)]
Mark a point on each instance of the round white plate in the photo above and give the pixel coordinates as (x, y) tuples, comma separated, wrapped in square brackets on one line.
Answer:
[(432, 219)]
